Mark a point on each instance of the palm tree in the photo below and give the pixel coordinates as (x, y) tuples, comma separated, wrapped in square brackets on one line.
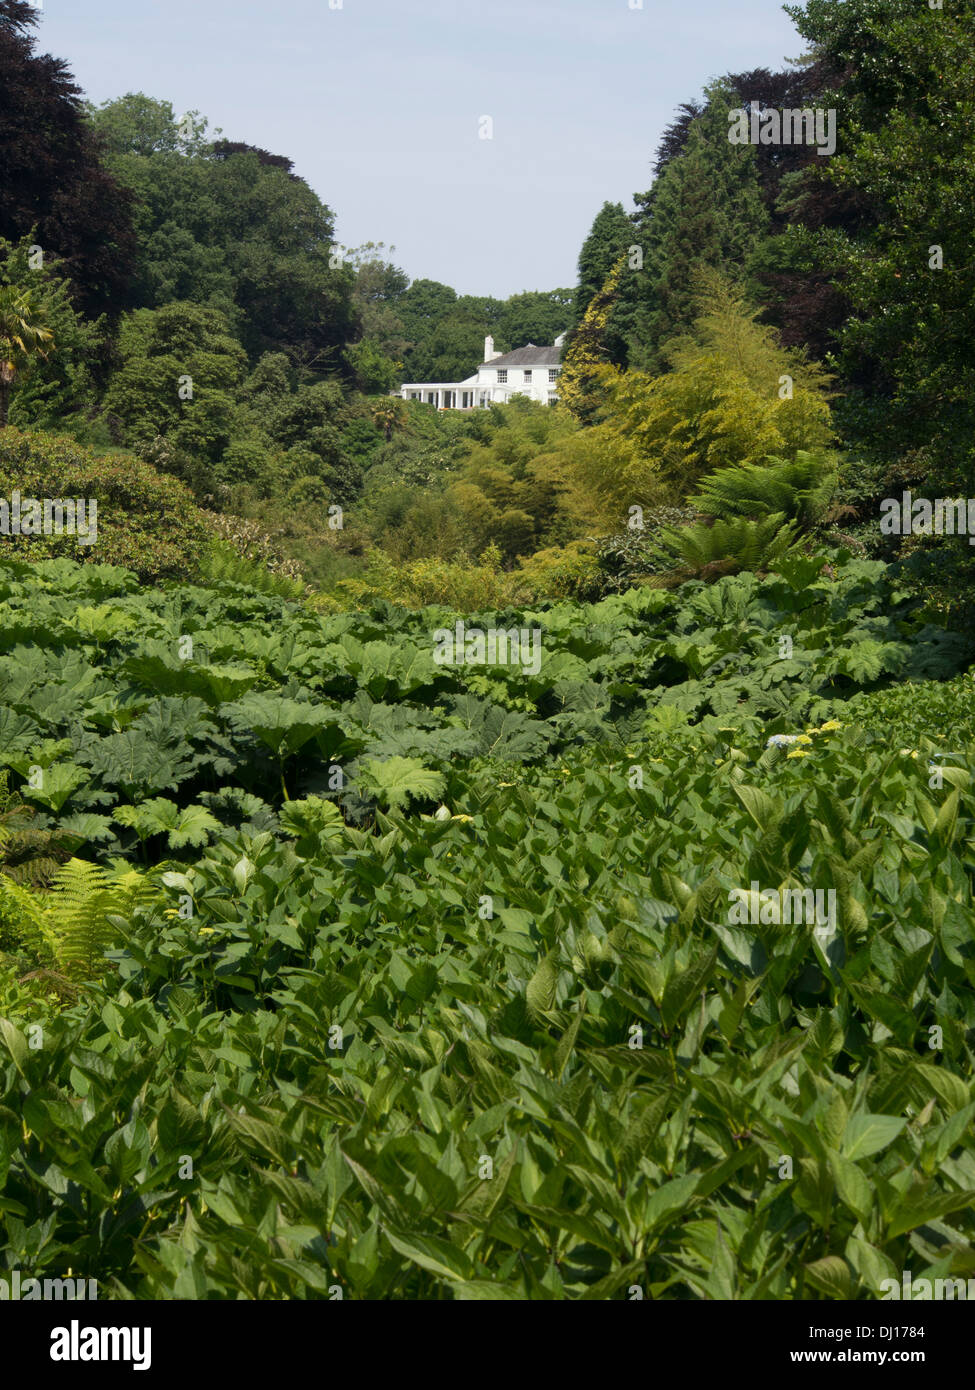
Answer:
[(388, 415), (23, 337)]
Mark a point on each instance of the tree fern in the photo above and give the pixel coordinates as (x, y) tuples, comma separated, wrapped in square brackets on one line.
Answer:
[(801, 490), (726, 547), (220, 563)]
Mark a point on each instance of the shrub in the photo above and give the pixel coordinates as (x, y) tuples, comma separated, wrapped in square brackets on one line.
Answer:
[(222, 564), (801, 488), (460, 585), (938, 714), (564, 571), (252, 542), (146, 521)]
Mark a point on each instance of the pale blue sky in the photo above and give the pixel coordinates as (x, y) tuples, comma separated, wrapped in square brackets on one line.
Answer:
[(378, 104)]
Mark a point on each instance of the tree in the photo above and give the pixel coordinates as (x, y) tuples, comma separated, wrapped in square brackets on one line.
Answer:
[(452, 351), (268, 384), (377, 290), (508, 494), (311, 424), (588, 353), (388, 415), (535, 316), (423, 305), (23, 338), (62, 384), (611, 235), (140, 125), (733, 396), (176, 387), (907, 150), (451, 346), (223, 149), (231, 227), (51, 174), (706, 211), (445, 331), (785, 269)]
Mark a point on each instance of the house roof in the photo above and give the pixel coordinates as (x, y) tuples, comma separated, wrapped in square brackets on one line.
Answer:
[(530, 356), (438, 385)]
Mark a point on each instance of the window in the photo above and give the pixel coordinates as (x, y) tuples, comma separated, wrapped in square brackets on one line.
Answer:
[(552, 397), (527, 376), (553, 373), (502, 376)]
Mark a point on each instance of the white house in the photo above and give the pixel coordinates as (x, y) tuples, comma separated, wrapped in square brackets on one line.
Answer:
[(528, 371)]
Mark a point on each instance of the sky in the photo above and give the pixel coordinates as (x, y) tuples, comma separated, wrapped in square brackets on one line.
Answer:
[(381, 106)]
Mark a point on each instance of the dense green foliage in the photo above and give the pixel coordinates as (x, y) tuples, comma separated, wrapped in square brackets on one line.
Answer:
[(145, 520), (704, 212), (908, 112), (230, 228), (513, 1047), (128, 694)]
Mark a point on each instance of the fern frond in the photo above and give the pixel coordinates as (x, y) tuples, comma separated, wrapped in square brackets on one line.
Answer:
[(24, 918), (801, 489), (708, 552), (82, 908)]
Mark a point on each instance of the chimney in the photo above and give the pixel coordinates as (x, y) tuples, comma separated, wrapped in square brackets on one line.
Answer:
[(489, 351)]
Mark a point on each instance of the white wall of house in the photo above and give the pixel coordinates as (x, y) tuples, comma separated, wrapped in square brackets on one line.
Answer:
[(501, 383), (490, 384)]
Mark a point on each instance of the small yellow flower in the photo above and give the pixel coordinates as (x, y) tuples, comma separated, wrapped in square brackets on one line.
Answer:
[(461, 817), (803, 738), (207, 931), (798, 753), (830, 726)]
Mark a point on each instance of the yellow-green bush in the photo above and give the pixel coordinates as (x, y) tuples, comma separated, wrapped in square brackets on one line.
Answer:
[(464, 585), (563, 571)]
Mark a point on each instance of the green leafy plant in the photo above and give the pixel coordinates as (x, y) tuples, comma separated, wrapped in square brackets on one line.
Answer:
[(395, 781), (726, 547), (801, 489), (471, 1017)]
